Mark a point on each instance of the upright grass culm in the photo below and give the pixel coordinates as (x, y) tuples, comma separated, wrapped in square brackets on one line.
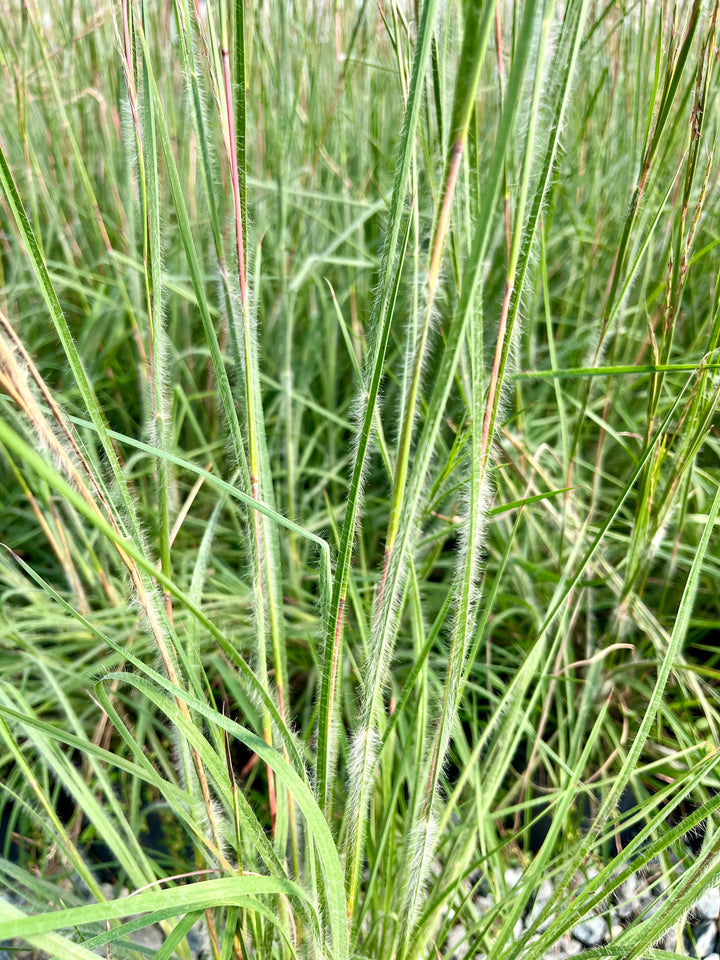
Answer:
[(330, 590)]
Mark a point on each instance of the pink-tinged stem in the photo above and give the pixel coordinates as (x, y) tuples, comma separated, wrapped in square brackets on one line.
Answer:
[(444, 218), (235, 178), (501, 80), (128, 56), (492, 388), (336, 653), (433, 273)]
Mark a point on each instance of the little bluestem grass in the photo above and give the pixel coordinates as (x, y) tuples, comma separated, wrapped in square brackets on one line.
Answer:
[(359, 472)]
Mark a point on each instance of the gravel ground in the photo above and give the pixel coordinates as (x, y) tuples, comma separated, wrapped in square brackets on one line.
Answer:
[(639, 895)]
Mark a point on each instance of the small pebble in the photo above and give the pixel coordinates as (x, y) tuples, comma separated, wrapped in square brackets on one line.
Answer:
[(456, 944), (573, 947), (669, 941), (626, 898), (537, 909), (626, 911), (587, 873), (513, 875), (708, 906), (545, 891), (646, 901), (197, 937), (659, 887), (483, 903), (705, 935), (591, 931), (149, 937), (653, 906), (556, 952), (543, 895)]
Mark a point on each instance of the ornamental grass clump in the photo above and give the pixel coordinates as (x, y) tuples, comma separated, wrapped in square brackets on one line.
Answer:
[(359, 475)]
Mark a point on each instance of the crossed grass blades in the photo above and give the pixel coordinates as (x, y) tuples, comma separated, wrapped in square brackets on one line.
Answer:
[(359, 475)]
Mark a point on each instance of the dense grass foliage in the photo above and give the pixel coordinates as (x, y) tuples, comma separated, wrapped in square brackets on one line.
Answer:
[(358, 470)]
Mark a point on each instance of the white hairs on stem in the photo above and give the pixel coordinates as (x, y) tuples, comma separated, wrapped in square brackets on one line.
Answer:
[(361, 771), (422, 843)]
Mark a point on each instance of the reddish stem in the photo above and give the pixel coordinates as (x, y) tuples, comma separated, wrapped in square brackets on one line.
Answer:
[(235, 178)]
